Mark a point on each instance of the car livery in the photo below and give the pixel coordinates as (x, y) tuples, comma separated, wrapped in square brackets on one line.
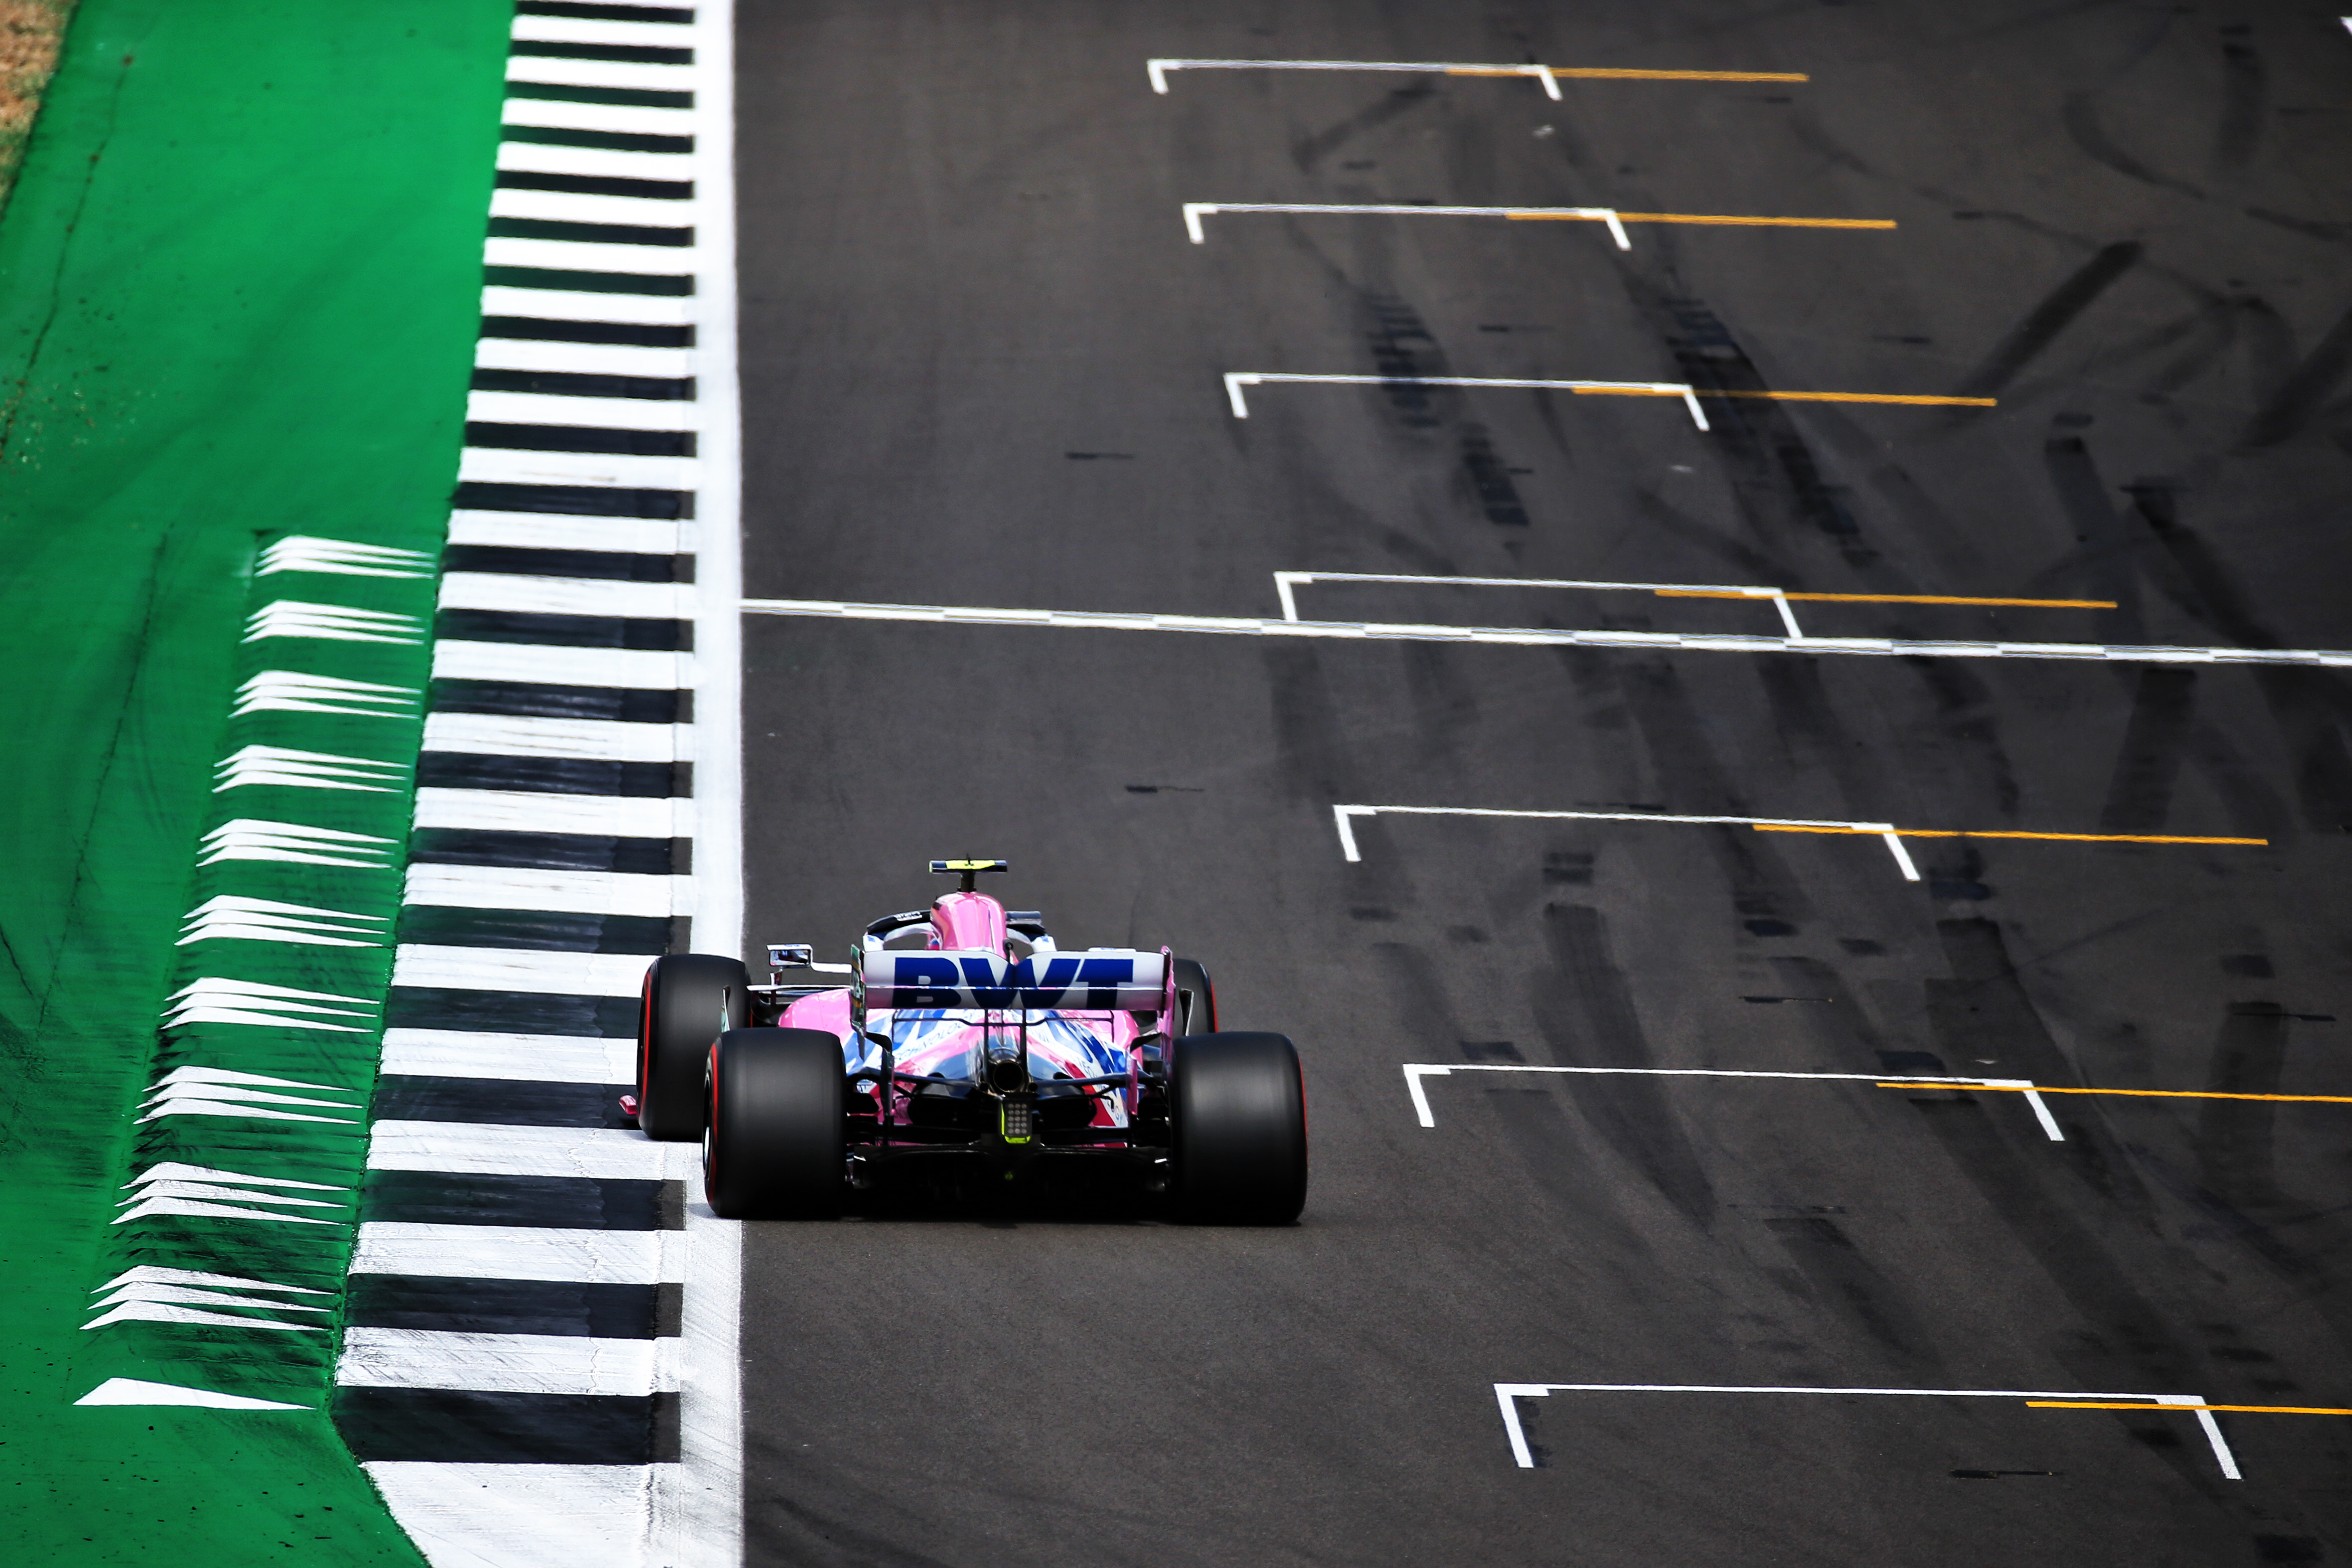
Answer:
[(964, 1036)]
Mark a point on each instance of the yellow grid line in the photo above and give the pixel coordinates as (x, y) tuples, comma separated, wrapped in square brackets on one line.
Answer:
[(2251, 1409), (1627, 391), (1857, 398), (1918, 399), (1607, 73), (2001, 833), (1721, 220), (1758, 222), (1886, 598), (2144, 1093)]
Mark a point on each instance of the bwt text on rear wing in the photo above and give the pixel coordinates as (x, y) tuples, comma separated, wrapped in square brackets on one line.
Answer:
[(1098, 980)]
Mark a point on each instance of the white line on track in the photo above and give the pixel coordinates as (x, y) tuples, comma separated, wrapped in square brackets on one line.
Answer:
[(542, 531), (593, 739), (570, 206), (504, 1364), (1507, 1393), (562, 114), (546, 664), (531, 1059), (698, 1509), (602, 1154), (542, 158), (1892, 836), (583, 30), (522, 1516), (582, 359), (1414, 1072), (1287, 584), (1616, 219), (587, 892), (614, 471), (594, 413), (528, 811), (1541, 637), (597, 256), (577, 305), (1343, 817), (1237, 379), (519, 969), (1547, 77), (1195, 211), (521, 1252), (555, 71), (566, 595), (1158, 69)]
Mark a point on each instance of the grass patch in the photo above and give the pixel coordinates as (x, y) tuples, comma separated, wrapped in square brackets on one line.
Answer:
[(30, 31)]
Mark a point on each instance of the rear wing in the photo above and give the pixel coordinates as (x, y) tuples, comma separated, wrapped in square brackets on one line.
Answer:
[(1097, 980)]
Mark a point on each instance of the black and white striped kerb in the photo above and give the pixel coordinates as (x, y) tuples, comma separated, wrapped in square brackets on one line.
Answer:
[(518, 1371)]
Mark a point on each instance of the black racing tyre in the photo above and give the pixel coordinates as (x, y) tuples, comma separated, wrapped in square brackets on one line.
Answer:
[(1238, 1115), (688, 998), (1196, 999), (774, 1148)]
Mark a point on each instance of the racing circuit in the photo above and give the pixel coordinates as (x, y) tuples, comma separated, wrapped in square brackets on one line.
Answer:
[(1682, 1190), (1724, 627)]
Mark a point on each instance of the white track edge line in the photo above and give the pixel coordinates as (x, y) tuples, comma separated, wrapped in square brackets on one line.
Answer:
[(1542, 636), (698, 1504)]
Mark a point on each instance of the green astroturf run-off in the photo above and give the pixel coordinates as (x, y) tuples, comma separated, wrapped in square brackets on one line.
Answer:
[(238, 289)]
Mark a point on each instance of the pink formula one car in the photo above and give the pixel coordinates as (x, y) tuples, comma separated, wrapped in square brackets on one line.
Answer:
[(964, 1035)]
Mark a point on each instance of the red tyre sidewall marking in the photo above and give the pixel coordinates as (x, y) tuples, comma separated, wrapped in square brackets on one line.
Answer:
[(710, 1137), (1302, 1108), (644, 1037), (1304, 1162)]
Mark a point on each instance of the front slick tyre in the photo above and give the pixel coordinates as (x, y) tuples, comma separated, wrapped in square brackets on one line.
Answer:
[(688, 998), (774, 1148), (1238, 1109)]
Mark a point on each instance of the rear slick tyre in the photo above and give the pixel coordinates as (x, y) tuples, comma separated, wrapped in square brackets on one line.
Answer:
[(774, 1147), (688, 998), (1238, 1115)]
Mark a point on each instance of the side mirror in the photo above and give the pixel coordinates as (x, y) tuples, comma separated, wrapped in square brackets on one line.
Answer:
[(784, 955)]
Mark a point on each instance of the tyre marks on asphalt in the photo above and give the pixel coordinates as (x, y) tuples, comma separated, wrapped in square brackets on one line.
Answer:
[(1586, 1012), (538, 1361)]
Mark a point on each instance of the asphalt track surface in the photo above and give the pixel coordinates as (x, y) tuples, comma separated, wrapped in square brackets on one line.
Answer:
[(981, 366)]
